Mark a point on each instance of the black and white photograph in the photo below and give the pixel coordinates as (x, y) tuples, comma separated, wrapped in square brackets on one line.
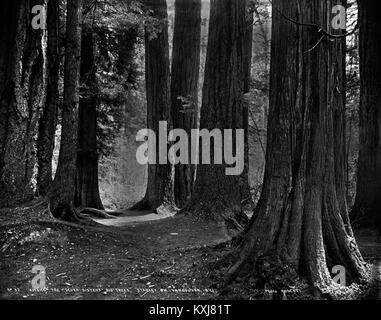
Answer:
[(200, 152)]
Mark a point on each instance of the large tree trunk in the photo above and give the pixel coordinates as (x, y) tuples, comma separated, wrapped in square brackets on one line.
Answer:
[(63, 187), (367, 206), (48, 121), (184, 85), (21, 96), (159, 192), (87, 189), (301, 216), (248, 53), (217, 195)]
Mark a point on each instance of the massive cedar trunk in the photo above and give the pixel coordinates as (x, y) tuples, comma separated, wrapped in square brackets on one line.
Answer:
[(87, 189), (301, 216), (248, 53), (63, 187), (48, 121), (159, 192), (184, 85), (21, 97), (217, 195), (367, 206)]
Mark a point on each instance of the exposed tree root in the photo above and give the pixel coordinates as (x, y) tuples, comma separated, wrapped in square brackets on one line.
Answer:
[(232, 219), (97, 213), (115, 213), (374, 291), (68, 213), (312, 251), (166, 209)]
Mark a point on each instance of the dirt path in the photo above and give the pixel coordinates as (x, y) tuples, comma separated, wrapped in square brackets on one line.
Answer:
[(136, 256), (129, 217), (132, 257)]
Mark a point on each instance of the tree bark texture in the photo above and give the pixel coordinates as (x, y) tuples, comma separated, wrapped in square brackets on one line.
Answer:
[(159, 191), (87, 188), (184, 85), (366, 211), (63, 187), (48, 120), (301, 216), (217, 196), (22, 93), (245, 182)]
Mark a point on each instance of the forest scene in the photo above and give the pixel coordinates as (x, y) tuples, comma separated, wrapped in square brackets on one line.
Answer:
[(190, 150)]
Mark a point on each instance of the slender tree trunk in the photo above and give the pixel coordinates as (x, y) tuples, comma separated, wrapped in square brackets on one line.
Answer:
[(48, 121), (245, 182), (21, 96), (87, 189), (159, 192), (126, 56), (63, 187), (301, 216), (184, 85), (217, 195), (367, 206)]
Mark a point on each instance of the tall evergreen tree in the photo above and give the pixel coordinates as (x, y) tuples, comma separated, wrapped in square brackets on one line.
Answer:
[(301, 218), (248, 54), (48, 121), (22, 93), (366, 210), (217, 196), (87, 188), (63, 187), (159, 191), (184, 85)]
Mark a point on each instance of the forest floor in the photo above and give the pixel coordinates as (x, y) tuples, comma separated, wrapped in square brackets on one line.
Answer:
[(132, 257)]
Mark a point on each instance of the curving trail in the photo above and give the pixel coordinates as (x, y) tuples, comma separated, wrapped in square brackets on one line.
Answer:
[(129, 217)]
